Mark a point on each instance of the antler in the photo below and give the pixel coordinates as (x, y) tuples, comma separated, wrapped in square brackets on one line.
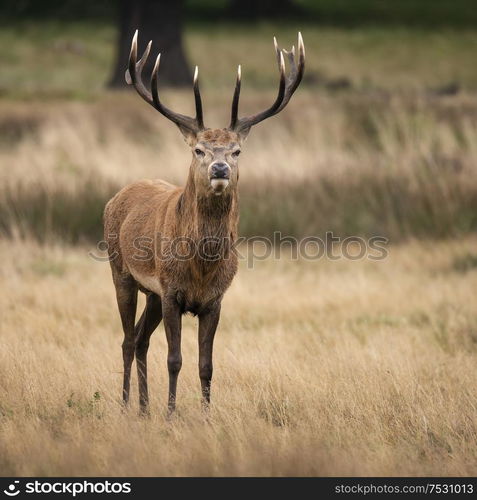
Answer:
[(286, 88), (133, 76)]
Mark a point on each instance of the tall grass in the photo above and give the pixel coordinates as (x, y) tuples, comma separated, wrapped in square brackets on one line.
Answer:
[(321, 368), (354, 165)]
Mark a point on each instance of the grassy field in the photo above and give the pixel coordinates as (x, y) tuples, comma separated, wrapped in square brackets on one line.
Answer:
[(73, 60), (321, 368)]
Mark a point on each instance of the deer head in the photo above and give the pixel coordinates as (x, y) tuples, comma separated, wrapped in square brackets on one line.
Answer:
[(215, 151)]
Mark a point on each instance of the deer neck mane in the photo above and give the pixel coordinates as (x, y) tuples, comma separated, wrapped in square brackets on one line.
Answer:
[(207, 215)]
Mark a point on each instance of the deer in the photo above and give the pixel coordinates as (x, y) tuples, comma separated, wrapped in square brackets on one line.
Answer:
[(149, 223)]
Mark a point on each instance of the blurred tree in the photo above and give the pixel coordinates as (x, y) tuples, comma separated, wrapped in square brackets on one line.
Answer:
[(161, 22)]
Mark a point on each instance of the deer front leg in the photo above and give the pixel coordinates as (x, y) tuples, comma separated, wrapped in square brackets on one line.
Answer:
[(172, 324), (207, 326)]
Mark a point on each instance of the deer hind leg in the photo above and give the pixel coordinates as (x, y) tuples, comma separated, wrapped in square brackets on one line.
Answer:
[(172, 324), (150, 319), (126, 295)]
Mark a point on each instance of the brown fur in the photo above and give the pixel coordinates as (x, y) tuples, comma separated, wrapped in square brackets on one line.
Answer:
[(140, 224)]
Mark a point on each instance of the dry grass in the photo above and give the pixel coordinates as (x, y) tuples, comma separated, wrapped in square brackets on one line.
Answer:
[(401, 166), (322, 368)]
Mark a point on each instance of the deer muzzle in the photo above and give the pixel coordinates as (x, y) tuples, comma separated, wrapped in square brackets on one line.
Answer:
[(219, 174)]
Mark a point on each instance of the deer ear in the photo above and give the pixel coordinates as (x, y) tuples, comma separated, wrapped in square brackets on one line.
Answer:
[(243, 134), (190, 136)]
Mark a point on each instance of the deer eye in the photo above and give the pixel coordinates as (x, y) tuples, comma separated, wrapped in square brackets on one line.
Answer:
[(199, 152), (236, 153)]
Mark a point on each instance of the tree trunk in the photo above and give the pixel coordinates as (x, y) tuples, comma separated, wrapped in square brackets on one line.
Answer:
[(161, 22)]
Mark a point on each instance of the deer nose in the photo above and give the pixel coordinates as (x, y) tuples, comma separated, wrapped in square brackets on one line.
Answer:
[(219, 170)]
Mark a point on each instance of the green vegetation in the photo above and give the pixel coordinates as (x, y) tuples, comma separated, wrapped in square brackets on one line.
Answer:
[(73, 60)]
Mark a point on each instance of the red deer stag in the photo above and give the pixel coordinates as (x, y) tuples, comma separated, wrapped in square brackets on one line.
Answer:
[(169, 218)]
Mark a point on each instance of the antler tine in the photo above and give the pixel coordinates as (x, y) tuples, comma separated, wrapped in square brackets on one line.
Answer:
[(198, 101), (301, 62), (133, 57), (286, 88), (140, 64), (296, 73), (134, 72), (182, 121), (134, 76), (277, 50), (235, 101), (132, 60), (155, 92), (246, 123), (301, 47)]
